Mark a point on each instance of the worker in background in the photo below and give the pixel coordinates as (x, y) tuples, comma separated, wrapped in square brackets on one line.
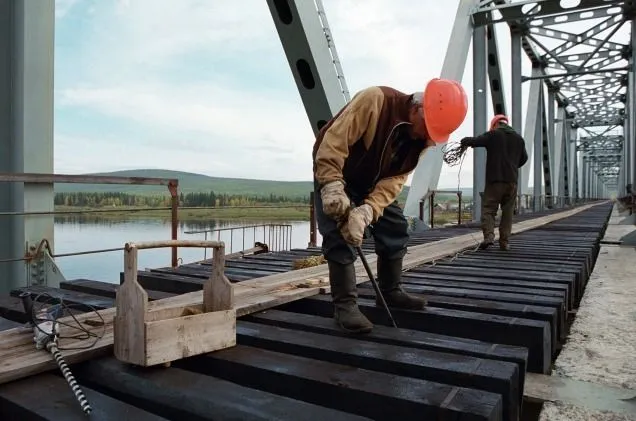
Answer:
[(506, 153), (362, 158)]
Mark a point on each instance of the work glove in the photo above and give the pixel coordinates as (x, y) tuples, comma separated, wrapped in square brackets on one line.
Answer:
[(352, 229), (465, 142), (335, 201)]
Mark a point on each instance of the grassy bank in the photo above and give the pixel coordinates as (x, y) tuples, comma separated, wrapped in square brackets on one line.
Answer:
[(194, 214)]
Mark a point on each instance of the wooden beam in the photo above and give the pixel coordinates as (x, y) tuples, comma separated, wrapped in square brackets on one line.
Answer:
[(20, 358)]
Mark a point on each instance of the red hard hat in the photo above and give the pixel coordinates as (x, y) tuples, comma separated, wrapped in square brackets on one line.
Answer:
[(496, 119), (445, 105)]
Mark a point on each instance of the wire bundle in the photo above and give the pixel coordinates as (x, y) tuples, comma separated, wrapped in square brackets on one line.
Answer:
[(65, 310), (48, 327), (453, 153)]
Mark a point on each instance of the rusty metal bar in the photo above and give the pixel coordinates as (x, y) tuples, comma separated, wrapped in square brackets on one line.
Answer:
[(79, 253), (172, 243), (235, 228), (174, 218), (38, 178), (111, 210), (133, 210)]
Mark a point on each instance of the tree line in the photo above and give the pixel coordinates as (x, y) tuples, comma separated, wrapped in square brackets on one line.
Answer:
[(200, 199)]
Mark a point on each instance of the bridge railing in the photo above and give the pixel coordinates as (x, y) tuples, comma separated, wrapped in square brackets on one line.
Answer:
[(279, 235), (525, 203)]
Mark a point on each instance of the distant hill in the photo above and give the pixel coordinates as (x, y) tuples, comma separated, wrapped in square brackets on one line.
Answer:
[(194, 183)]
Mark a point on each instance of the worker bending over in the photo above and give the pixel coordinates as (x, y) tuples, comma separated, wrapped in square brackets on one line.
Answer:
[(505, 154), (362, 158)]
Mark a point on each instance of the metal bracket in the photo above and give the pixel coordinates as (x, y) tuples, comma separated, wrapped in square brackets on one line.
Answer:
[(42, 270)]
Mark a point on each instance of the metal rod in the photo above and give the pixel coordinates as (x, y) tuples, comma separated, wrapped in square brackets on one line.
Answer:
[(131, 210), (229, 229), (79, 253), (312, 220), (174, 218), (40, 178), (580, 72), (375, 285)]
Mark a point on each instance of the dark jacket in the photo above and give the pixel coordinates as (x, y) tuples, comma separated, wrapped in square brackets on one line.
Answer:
[(506, 153), (367, 145)]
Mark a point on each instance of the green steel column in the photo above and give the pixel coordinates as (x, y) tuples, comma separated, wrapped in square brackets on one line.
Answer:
[(26, 130)]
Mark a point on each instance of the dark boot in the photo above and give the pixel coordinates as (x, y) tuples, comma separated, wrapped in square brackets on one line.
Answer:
[(389, 280), (344, 293)]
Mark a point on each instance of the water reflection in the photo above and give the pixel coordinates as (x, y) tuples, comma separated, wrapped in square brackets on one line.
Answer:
[(75, 233)]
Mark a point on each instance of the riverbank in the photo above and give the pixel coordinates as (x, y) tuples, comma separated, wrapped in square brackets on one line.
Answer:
[(300, 213), (269, 213)]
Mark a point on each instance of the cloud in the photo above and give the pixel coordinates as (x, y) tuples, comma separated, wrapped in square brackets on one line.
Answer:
[(205, 86), (62, 7)]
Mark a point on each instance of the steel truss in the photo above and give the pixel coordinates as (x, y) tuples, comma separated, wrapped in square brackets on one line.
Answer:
[(583, 69), (581, 96)]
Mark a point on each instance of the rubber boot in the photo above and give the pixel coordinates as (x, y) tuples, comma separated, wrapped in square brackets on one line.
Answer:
[(390, 281), (344, 293)]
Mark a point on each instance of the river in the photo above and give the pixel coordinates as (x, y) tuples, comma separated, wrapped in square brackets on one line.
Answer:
[(81, 234)]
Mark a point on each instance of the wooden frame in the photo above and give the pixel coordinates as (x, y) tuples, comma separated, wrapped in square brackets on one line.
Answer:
[(148, 337)]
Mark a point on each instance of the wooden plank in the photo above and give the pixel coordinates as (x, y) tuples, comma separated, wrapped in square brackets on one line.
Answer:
[(503, 273), (541, 388), (533, 334), (548, 314), (401, 337), (6, 324), (500, 285), (47, 397), (186, 395), (458, 370), (415, 276), (250, 296), (181, 337), (104, 289), (12, 309), (380, 396), (81, 301)]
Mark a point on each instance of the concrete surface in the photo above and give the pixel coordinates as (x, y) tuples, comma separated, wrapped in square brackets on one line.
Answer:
[(617, 232), (558, 411), (601, 347)]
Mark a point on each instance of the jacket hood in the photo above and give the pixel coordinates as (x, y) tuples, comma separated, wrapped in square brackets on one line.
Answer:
[(506, 128)]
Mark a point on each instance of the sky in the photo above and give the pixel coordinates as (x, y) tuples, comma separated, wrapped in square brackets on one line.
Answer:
[(199, 86)]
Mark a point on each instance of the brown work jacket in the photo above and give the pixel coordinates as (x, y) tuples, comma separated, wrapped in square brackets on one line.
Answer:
[(367, 145)]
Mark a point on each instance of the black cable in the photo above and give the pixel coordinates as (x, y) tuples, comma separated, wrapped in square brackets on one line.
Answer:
[(48, 336), (453, 153), (63, 307)]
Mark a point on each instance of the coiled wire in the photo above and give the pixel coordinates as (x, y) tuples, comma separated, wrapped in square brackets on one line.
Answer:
[(85, 334), (453, 153)]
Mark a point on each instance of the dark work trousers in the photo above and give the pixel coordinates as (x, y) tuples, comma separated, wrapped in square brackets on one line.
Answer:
[(389, 232), (495, 195)]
